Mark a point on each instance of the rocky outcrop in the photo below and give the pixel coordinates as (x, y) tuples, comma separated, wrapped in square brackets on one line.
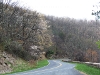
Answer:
[(6, 61)]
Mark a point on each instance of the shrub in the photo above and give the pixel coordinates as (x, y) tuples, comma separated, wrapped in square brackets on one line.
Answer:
[(16, 49), (49, 53)]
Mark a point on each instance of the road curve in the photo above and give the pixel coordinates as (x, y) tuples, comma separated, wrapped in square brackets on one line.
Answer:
[(55, 67)]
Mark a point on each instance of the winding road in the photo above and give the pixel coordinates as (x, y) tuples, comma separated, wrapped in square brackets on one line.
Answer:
[(55, 67)]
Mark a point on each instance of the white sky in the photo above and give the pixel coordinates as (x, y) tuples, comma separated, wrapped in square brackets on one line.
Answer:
[(78, 9)]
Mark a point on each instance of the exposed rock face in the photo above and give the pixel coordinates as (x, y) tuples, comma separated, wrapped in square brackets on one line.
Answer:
[(6, 61)]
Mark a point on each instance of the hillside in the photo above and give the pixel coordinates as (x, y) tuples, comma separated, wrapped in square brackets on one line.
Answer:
[(23, 36), (75, 39)]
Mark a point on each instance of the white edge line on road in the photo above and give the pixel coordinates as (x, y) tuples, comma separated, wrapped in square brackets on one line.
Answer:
[(58, 63), (45, 69)]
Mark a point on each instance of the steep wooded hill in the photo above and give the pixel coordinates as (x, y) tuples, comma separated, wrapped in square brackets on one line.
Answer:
[(75, 39), (23, 34)]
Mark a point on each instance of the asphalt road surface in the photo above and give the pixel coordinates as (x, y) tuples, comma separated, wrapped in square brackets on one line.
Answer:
[(55, 67)]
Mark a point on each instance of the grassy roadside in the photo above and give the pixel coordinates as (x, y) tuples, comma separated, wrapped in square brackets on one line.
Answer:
[(24, 66), (87, 69), (41, 63)]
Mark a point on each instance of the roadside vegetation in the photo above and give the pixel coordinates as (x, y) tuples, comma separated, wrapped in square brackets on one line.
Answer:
[(25, 66), (87, 69), (41, 63)]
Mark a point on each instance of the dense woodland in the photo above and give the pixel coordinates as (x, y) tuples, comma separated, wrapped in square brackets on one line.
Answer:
[(75, 39), (21, 29)]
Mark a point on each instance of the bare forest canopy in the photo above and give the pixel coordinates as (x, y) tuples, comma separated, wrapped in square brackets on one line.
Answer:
[(23, 32), (27, 34), (75, 39)]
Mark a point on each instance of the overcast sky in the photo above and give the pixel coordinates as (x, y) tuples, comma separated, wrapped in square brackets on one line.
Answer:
[(78, 9)]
